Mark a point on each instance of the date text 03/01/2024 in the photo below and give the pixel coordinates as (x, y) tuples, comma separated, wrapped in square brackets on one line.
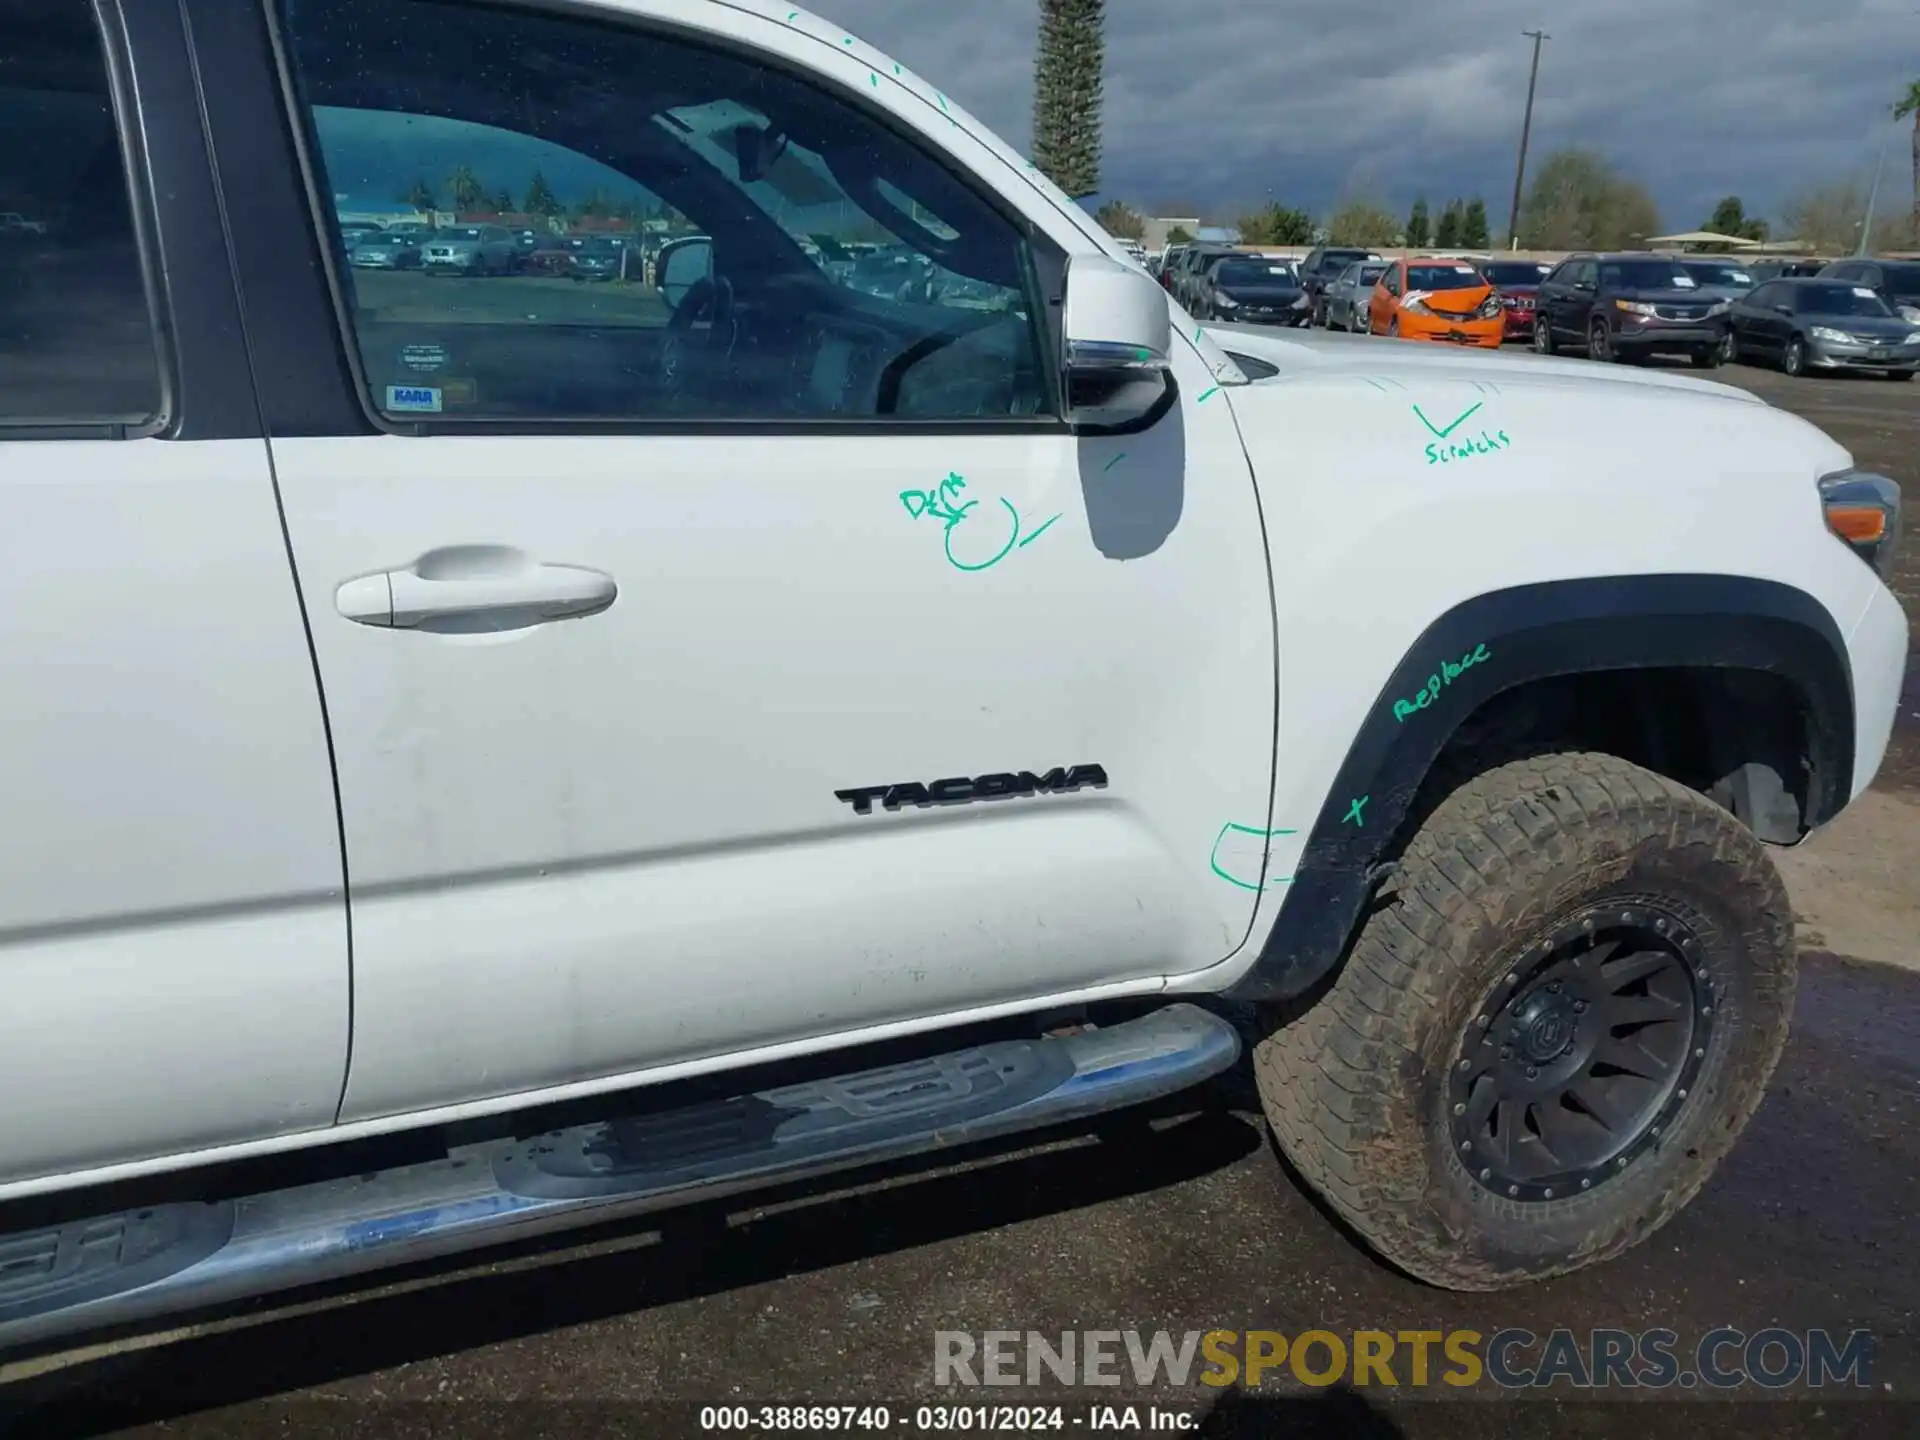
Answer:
[(927, 1419)]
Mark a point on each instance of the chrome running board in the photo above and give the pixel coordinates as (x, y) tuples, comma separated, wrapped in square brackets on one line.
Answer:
[(109, 1270)]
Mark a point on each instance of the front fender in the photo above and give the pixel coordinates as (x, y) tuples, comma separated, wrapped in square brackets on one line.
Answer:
[(1498, 641)]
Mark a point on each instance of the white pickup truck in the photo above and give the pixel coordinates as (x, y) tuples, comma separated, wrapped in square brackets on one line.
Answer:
[(800, 726)]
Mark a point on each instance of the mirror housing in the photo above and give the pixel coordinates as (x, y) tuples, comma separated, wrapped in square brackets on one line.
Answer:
[(682, 264), (1118, 367)]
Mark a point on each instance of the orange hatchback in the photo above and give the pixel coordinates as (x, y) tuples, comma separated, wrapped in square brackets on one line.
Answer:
[(1445, 300)]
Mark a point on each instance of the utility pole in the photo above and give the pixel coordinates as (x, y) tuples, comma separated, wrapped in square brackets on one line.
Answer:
[(1526, 132), (1873, 198)]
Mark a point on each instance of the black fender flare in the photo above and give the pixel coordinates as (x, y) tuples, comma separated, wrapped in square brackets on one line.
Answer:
[(1515, 637)]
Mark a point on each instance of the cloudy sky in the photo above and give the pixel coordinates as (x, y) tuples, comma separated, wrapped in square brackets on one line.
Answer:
[(1226, 102)]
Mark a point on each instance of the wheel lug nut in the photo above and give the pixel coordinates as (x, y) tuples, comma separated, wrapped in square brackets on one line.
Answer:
[(1579, 1007), (1461, 1109), (1533, 1072), (1554, 986), (1506, 1052)]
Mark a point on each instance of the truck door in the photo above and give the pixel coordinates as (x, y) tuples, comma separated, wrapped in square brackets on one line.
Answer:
[(718, 676), (173, 947)]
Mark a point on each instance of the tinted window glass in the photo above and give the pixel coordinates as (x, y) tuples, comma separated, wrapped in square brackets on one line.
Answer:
[(1713, 272), (1646, 275), (1822, 298), (1443, 277), (1253, 272), (1514, 272), (756, 248), (1902, 281), (76, 338)]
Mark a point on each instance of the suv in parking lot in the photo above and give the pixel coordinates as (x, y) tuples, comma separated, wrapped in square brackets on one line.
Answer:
[(470, 250), (608, 750), (1324, 264), (1627, 307)]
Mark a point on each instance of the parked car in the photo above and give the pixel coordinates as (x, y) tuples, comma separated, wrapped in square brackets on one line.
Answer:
[(384, 251), (1804, 324), (1250, 289), (1627, 307), (1320, 269), (1344, 303), (1718, 279), (469, 250), (1444, 300), (1517, 283), (1164, 267), (552, 256), (1192, 264), (602, 257), (342, 935), (1895, 281)]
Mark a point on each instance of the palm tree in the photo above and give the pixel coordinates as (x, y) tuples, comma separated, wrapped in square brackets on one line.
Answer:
[(1909, 105), (1066, 93)]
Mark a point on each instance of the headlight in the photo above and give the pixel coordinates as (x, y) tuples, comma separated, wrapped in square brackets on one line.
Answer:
[(1912, 339), (1490, 307), (1721, 308), (1829, 334), (1226, 302), (1634, 307), (1863, 509), (1418, 307)]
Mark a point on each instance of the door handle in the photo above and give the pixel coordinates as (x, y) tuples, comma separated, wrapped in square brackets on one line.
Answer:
[(468, 589)]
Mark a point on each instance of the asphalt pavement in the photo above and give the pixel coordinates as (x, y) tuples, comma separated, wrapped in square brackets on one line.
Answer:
[(1183, 1221)]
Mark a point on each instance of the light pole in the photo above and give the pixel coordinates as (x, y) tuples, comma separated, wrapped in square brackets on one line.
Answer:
[(1873, 196), (1526, 131)]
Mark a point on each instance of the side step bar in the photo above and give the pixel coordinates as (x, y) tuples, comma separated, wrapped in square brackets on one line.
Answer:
[(139, 1264)]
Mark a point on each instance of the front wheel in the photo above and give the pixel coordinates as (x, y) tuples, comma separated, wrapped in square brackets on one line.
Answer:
[(1393, 328), (1552, 1031), (1542, 336), (1794, 362), (1730, 349), (1599, 342)]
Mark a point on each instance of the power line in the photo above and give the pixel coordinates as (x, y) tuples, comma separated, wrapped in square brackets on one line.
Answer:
[(1526, 132)]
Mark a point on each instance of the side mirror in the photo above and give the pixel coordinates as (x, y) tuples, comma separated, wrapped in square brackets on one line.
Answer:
[(1784, 309), (683, 264), (1119, 342)]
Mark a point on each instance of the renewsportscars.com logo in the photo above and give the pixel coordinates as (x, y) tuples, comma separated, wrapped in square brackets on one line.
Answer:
[(1720, 1359)]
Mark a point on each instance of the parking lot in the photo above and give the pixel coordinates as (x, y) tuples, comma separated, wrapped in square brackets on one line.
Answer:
[(835, 1292)]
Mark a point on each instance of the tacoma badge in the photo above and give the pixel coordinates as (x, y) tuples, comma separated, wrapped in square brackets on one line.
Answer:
[(960, 790)]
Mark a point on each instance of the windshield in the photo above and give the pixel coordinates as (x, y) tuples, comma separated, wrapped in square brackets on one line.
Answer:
[(1903, 282), (1443, 277), (1515, 272), (1253, 272), (1332, 262), (1838, 299), (1709, 272), (1646, 275), (463, 232)]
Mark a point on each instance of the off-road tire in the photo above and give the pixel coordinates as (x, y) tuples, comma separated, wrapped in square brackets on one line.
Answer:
[(1356, 1087)]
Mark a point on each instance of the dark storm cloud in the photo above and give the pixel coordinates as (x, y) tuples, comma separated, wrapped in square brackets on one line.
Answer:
[(1225, 101)]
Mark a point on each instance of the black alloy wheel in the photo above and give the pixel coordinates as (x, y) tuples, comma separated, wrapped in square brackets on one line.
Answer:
[(1583, 1054)]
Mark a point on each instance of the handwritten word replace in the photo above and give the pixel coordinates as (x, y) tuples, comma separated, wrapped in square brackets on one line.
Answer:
[(1448, 673)]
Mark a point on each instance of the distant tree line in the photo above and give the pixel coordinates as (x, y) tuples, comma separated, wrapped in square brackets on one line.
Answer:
[(1577, 200), (466, 193)]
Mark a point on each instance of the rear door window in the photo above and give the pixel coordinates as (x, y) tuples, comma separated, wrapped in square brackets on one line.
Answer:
[(78, 345)]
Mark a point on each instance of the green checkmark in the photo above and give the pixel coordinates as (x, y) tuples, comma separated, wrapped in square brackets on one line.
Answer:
[(1457, 422)]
